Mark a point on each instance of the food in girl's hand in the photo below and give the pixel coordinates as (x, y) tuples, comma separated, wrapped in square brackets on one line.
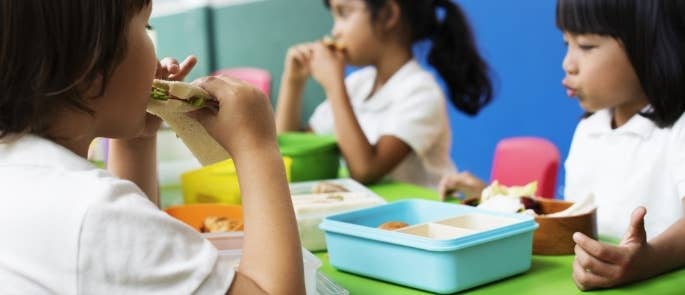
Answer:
[(327, 187), (171, 100), (163, 90), (332, 43), (393, 225), (213, 224)]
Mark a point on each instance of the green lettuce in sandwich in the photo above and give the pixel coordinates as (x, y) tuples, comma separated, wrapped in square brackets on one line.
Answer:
[(163, 90)]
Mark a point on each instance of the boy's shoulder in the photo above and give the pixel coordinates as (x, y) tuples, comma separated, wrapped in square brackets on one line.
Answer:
[(33, 166)]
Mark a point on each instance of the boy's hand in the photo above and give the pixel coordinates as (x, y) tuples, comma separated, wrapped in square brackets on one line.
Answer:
[(167, 69), (464, 182), (599, 265), (327, 66), (297, 63), (244, 121)]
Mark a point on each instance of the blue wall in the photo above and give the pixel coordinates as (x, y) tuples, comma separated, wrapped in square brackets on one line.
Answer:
[(521, 43)]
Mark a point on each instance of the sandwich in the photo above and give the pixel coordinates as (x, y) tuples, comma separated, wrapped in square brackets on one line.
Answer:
[(171, 100), (163, 91), (332, 43)]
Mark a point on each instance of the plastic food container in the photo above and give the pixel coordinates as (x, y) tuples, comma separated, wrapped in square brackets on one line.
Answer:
[(445, 249), (195, 214), (217, 183), (311, 209), (313, 156), (231, 243)]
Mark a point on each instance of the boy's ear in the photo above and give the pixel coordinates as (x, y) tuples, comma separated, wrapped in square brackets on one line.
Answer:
[(390, 15), (94, 89)]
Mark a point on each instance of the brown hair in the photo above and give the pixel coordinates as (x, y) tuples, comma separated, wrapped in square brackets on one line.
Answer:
[(52, 51)]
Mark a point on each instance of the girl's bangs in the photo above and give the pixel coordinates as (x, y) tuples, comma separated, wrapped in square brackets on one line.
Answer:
[(601, 17)]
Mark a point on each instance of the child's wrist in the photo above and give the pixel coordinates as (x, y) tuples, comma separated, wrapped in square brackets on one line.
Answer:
[(291, 79), (249, 152)]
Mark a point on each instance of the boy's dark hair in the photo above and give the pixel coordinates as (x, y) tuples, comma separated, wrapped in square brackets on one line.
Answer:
[(52, 51), (648, 32), (454, 54)]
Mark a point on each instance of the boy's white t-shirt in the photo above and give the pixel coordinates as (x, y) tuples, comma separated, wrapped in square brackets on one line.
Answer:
[(411, 107), (635, 164), (68, 227)]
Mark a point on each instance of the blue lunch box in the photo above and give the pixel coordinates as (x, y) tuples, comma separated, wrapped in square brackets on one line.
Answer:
[(445, 249)]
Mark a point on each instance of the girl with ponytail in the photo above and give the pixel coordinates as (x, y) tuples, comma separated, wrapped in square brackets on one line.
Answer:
[(389, 117)]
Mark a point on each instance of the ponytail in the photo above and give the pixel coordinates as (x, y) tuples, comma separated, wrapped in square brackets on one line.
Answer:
[(456, 58)]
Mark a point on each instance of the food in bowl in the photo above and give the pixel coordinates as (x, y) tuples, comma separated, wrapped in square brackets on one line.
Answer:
[(514, 199), (393, 225), (213, 224)]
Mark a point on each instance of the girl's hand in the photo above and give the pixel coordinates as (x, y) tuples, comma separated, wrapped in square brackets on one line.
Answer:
[(297, 68), (167, 69), (328, 66), (464, 183), (599, 265), (244, 121)]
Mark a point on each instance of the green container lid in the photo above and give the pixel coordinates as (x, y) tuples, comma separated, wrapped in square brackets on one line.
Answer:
[(313, 156)]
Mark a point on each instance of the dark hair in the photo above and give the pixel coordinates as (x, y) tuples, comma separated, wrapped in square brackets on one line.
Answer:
[(650, 39), (52, 51), (454, 54)]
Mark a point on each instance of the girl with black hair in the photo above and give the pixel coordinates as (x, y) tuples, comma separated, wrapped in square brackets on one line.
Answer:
[(390, 118), (625, 65)]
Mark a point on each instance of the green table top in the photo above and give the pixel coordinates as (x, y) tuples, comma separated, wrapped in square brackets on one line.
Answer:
[(547, 275)]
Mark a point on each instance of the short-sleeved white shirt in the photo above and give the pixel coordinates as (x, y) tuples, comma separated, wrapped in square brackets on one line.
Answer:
[(411, 107), (635, 164), (70, 228)]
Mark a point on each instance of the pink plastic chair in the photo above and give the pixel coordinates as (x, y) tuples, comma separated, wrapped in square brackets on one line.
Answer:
[(520, 160), (259, 78)]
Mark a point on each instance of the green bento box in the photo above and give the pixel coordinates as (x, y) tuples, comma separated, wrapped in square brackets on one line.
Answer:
[(313, 156)]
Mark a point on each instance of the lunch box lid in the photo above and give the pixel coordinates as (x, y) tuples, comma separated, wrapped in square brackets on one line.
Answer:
[(348, 223)]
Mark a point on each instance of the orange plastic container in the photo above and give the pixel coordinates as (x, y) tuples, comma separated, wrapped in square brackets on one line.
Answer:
[(195, 214)]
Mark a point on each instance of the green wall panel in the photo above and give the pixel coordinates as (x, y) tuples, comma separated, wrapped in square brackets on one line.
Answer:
[(183, 33), (259, 34)]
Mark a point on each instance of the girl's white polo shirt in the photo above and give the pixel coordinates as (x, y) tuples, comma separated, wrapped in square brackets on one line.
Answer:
[(411, 107), (635, 164), (70, 228)]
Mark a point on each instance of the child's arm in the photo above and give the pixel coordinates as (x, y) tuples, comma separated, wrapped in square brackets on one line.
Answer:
[(295, 74), (272, 257), (366, 162), (135, 159), (599, 265)]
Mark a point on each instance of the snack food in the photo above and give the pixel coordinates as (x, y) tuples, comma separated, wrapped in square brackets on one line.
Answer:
[(514, 199), (327, 187), (333, 43), (392, 225), (213, 224), (171, 100)]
